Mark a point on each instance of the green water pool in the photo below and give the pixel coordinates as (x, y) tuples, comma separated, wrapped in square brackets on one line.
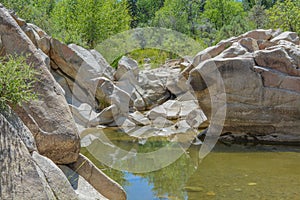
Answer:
[(228, 172)]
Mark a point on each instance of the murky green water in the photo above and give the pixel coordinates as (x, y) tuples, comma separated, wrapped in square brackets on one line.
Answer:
[(229, 172)]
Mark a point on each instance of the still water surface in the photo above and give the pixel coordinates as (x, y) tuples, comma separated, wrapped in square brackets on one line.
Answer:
[(229, 172)]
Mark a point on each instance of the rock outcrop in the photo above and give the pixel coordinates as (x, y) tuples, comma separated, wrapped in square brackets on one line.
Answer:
[(48, 117), (26, 176), (261, 73), (42, 133), (107, 187)]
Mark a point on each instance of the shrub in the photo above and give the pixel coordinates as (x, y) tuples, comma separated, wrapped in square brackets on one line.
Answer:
[(16, 81)]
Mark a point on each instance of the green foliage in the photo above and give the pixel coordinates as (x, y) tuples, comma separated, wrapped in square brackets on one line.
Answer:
[(172, 16), (88, 22), (222, 12), (236, 27), (179, 15), (257, 15), (34, 11), (222, 19), (285, 15), (156, 57), (16, 81), (248, 4), (146, 10)]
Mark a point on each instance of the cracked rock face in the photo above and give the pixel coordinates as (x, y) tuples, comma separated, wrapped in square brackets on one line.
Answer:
[(26, 176), (262, 86), (48, 118)]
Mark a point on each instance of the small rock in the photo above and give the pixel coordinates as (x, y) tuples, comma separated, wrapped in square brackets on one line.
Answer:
[(139, 118), (288, 36), (195, 118), (249, 43), (211, 193), (161, 122), (158, 111), (172, 108), (126, 65)]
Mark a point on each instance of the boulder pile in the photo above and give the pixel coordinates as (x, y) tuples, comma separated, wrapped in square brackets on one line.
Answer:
[(39, 141), (261, 74)]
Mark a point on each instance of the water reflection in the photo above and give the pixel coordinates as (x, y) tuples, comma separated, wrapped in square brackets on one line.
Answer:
[(229, 172)]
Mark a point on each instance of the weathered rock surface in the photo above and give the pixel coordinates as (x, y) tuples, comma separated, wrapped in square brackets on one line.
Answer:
[(139, 118), (98, 179), (24, 176), (82, 188), (48, 118), (23, 132), (19, 176), (262, 86), (51, 129), (258, 35), (56, 179), (83, 67), (126, 66)]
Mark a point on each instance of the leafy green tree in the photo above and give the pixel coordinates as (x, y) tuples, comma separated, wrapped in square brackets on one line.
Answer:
[(222, 12), (146, 10), (16, 81), (88, 22), (236, 27), (133, 11), (172, 16), (34, 11), (222, 19), (248, 4), (257, 15), (285, 15), (179, 15), (65, 16)]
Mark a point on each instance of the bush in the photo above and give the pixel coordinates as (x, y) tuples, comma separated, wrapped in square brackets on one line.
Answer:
[(16, 81)]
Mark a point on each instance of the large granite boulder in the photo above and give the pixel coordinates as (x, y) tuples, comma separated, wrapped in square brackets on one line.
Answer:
[(82, 188), (102, 183), (126, 66), (24, 176), (262, 88), (48, 117), (84, 67), (258, 35)]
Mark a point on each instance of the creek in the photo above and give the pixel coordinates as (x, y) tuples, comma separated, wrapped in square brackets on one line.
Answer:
[(228, 172)]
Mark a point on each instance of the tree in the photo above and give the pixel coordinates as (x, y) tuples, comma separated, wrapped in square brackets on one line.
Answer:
[(88, 22), (146, 10), (173, 16), (222, 12), (285, 15), (179, 15), (257, 15), (34, 11), (133, 11), (226, 18), (248, 4), (237, 26)]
